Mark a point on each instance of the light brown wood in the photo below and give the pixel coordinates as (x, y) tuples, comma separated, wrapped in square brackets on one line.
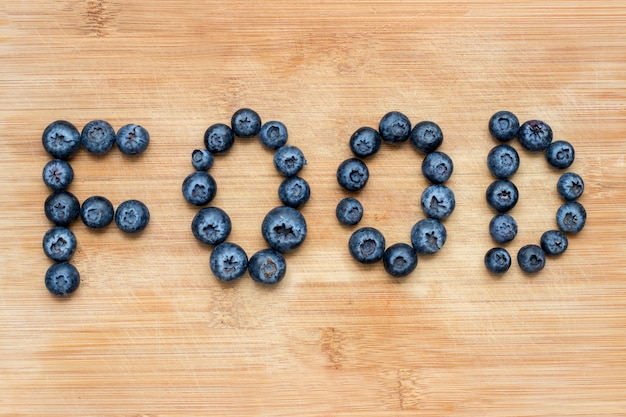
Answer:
[(150, 332)]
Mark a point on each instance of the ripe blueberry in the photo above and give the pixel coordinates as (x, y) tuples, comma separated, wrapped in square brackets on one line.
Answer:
[(400, 259), (202, 159), (61, 139), (211, 225), (502, 195), (497, 260), (245, 123), (62, 279), (535, 135), (531, 258), (365, 142), (294, 191), (59, 243), (503, 126), (503, 228), (289, 160), (560, 154), (58, 174), (267, 266), (97, 137), (570, 186), (352, 174), (62, 207), (228, 261), (428, 236), (349, 211), (132, 216), (132, 139), (503, 161), (199, 188), (394, 127), (273, 134), (218, 138), (438, 201), (284, 228), (553, 242), (571, 217), (437, 167), (367, 245), (426, 136), (97, 212)]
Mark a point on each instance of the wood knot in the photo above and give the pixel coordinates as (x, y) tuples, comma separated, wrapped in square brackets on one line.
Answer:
[(96, 17), (331, 344)]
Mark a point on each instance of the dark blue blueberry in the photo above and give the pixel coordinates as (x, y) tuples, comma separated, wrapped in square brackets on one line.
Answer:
[(503, 228), (352, 174), (503, 126), (59, 243), (61, 139), (245, 123), (218, 138), (503, 161), (437, 167), (394, 127), (199, 188), (97, 212), (560, 154), (571, 217), (289, 160), (400, 259), (365, 142), (132, 216), (132, 139), (426, 136), (553, 242), (267, 266), (228, 261), (211, 225), (531, 258), (497, 260), (97, 136), (294, 191), (367, 245), (570, 186), (438, 201), (273, 134), (428, 236), (58, 174), (202, 159), (535, 135), (284, 228), (349, 211), (62, 207), (502, 195), (62, 279)]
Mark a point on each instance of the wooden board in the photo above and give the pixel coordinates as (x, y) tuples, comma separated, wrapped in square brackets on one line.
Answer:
[(151, 332)]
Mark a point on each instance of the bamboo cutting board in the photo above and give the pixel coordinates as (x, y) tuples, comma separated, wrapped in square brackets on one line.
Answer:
[(150, 332)]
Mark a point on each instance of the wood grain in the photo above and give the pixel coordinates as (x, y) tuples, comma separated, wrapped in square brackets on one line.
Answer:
[(151, 333)]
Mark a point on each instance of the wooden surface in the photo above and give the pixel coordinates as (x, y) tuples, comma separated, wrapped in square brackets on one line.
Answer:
[(151, 332)]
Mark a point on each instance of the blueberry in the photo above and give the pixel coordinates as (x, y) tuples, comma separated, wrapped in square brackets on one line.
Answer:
[(553, 242), (438, 201), (202, 159), (367, 245), (400, 259), (97, 212), (428, 236), (497, 260), (437, 167), (503, 126), (531, 258), (58, 174), (560, 154), (97, 137), (199, 188), (502, 195), (503, 161), (426, 136), (132, 216), (289, 160), (267, 266), (570, 186), (503, 228), (284, 228), (62, 279), (132, 139), (245, 123), (211, 225), (571, 217), (228, 261), (349, 211), (273, 134), (59, 243), (535, 135), (62, 207), (394, 127), (218, 138), (352, 174), (61, 139), (294, 191), (365, 142)]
